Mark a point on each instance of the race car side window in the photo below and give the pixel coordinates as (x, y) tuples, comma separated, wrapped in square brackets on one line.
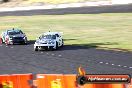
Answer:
[(57, 35), (40, 37)]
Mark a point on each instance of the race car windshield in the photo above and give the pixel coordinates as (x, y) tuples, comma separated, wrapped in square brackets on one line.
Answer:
[(15, 33), (48, 37)]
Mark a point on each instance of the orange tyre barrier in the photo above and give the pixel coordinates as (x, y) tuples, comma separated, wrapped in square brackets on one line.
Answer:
[(67, 81), (55, 81), (4, 79), (50, 81), (21, 80), (15, 81)]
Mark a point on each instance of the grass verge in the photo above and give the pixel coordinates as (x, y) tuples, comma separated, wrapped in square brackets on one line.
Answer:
[(111, 30)]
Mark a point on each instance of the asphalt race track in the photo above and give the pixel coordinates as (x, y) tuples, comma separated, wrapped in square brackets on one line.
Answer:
[(22, 59), (77, 10)]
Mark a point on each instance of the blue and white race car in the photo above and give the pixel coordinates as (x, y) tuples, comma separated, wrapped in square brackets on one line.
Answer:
[(49, 41), (13, 36)]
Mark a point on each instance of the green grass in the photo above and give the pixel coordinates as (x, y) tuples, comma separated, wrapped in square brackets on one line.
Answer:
[(112, 30)]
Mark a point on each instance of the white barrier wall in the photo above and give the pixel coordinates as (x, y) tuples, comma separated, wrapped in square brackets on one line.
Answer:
[(121, 1)]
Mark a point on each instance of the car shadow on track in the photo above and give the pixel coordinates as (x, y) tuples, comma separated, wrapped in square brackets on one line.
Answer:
[(31, 42), (84, 46)]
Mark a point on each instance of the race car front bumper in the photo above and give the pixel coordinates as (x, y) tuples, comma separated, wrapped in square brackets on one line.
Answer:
[(45, 46)]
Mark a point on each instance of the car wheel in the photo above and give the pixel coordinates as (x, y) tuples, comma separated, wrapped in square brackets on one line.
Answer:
[(25, 42), (62, 43), (51, 49), (2, 41), (36, 48), (56, 45)]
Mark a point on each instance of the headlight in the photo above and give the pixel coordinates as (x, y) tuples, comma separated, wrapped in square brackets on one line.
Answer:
[(37, 42)]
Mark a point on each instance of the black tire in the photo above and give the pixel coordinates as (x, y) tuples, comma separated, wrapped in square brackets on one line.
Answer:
[(36, 49), (56, 45), (2, 40), (62, 43), (25, 43), (51, 49)]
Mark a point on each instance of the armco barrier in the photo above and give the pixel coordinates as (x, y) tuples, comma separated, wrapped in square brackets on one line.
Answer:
[(49, 81)]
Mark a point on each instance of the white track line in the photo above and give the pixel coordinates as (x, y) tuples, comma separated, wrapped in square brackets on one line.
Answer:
[(100, 62), (52, 54), (42, 52), (115, 64), (106, 63), (125, 66), (59, 55), (119, 65)]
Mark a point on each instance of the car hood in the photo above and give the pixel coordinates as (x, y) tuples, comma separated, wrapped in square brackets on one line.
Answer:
[(45, 40), (17, 35)]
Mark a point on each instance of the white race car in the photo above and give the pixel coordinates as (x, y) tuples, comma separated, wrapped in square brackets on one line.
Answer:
[(49, 41)]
